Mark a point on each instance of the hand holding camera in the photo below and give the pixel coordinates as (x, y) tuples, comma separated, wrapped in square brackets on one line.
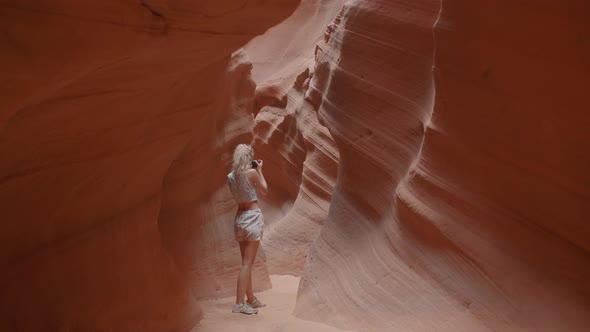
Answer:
[(257, 164)]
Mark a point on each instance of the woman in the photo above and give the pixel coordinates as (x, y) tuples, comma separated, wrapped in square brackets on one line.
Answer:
[(245, 178)]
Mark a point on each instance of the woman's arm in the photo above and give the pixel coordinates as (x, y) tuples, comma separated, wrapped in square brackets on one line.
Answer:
[(259, 179)]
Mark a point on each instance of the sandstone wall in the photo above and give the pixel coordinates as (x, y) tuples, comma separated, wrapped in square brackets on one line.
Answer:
[(459, 204), (427, 161), (104, 105)]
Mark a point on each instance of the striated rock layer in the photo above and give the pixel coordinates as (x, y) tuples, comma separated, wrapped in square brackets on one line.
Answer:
[(460, 210), (300, 155), (114, 119), (408, 199)]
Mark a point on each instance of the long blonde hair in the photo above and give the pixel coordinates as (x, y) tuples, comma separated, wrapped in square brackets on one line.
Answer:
[(242, 158)]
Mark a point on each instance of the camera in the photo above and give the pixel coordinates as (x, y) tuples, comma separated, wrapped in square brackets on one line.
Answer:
[(254, 164)]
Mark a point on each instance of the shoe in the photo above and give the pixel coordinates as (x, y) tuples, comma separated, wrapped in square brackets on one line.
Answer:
[(256, 303), (244, 308)]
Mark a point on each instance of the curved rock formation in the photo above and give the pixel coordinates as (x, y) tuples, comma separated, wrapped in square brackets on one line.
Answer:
[(466, 213), (105, 107), (408, 198), (300, 155)]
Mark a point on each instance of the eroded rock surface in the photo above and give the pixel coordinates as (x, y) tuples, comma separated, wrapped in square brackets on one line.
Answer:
[(300, 155), (459, 210), (427, 161), (105, 107)]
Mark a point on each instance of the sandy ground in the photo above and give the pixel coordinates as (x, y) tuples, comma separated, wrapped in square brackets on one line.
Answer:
[(276, 316)]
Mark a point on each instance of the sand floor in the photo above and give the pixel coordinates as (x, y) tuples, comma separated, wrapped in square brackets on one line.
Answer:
[(276, 316)]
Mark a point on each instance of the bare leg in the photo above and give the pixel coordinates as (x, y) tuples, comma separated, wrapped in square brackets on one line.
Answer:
[(249, 290), (245, 277)]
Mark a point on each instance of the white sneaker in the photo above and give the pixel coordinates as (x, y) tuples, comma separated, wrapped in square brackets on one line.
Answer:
[(256, 303), (244, 308)]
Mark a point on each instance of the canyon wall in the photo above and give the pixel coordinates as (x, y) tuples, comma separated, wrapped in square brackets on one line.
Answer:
[(427, 161), (299, 153), (105, 107), (459, 204)]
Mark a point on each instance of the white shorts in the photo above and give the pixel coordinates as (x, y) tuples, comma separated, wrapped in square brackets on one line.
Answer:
[(248, 225)]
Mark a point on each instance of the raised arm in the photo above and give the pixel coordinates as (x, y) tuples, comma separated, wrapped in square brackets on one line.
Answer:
[(259, 179)]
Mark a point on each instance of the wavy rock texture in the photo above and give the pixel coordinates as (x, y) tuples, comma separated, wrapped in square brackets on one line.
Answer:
[(300, 155), (463, 213), (114, 118), (408, 199)]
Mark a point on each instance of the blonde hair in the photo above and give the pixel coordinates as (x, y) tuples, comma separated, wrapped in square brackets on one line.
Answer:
[(242, 158)]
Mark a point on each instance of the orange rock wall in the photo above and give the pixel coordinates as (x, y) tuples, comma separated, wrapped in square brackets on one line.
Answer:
[(300, 155), (110, 111), (459, 204), (426, 161)]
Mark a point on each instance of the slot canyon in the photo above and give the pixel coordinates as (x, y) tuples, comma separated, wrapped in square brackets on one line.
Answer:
[(428, 163)]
